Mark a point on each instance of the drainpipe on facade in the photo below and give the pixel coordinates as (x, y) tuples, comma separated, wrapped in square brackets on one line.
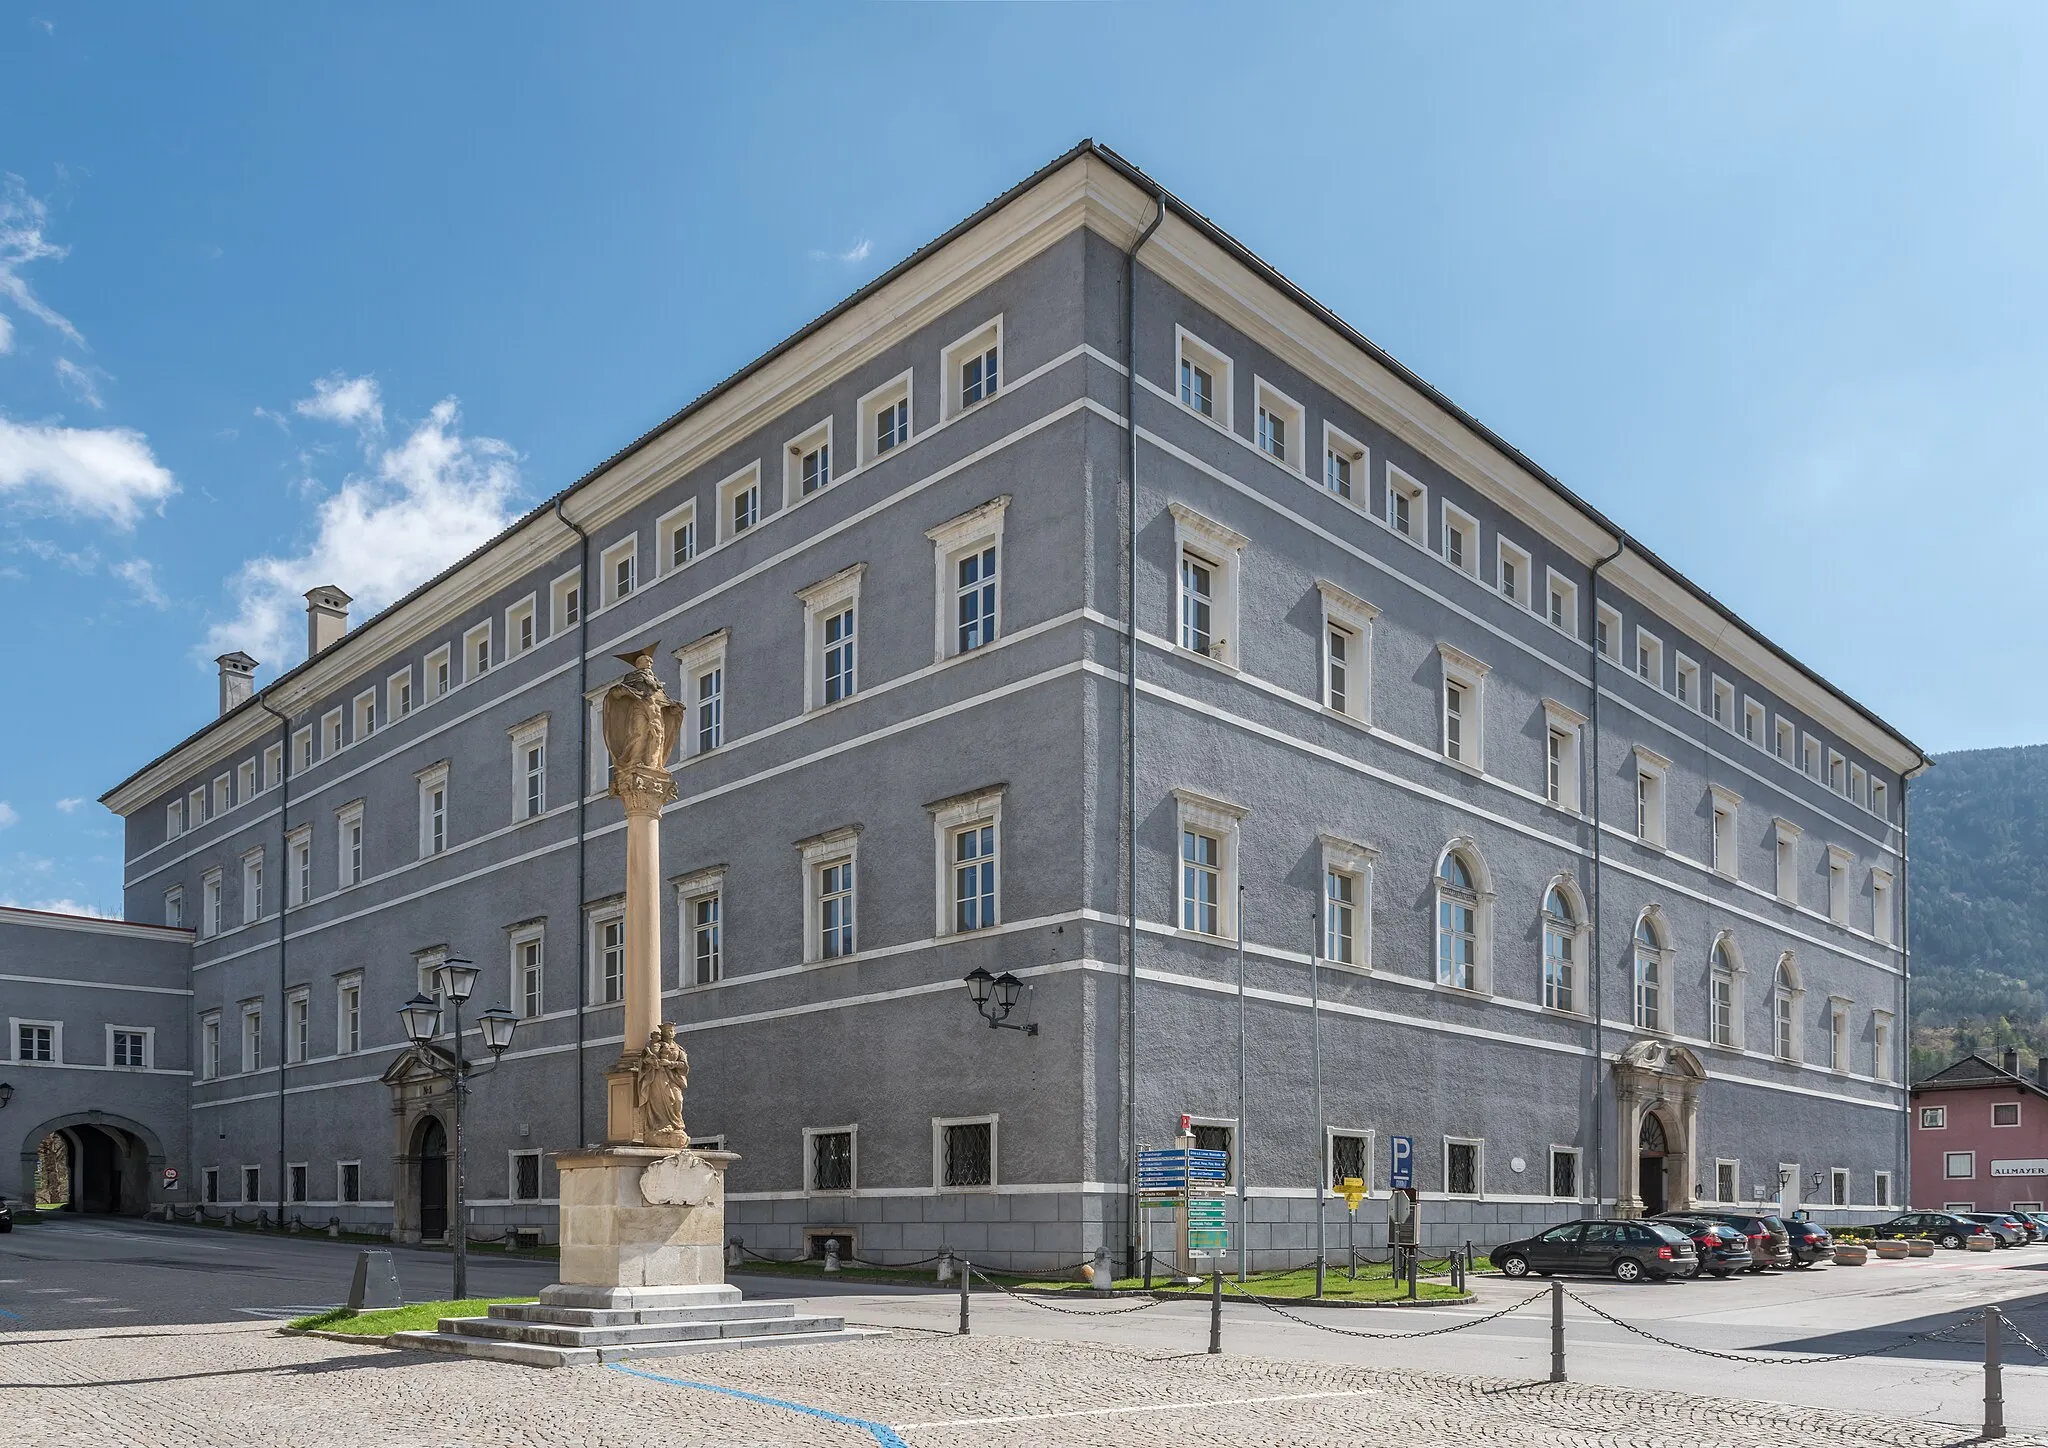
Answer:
[(582, 795), (1131, 731), (283, 871), (1598, 955), (1905, 953)]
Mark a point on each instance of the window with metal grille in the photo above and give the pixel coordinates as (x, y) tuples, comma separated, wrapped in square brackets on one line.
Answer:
[(832, 1161), (970, 1155), (1461, 1169), (1839, 1184), (1724, 1181), (351, 1182), (298, 1181), (252, 1183), (1347, 1159), (526, 1176), (1223, 1139), (209, 1185), (1564, 1174)]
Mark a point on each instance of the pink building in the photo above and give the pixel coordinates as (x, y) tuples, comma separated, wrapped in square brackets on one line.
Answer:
[(1980, 1138)]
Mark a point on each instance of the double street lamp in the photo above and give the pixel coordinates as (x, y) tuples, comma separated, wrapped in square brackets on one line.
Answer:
[(454, 979), (995, 996)]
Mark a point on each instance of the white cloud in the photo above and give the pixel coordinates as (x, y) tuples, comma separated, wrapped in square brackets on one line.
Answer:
[(64, 907), (108, 472), (140, 575), (858, 252), (71, 805), (350, 401), (7, 814), (22, 218), (80, 380), (417, 507)]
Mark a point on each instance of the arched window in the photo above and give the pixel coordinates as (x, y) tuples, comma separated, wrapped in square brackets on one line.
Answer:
[(1457, 923), (1724, 1011), (1649, 975), (1560, 934), (1785, 1010)]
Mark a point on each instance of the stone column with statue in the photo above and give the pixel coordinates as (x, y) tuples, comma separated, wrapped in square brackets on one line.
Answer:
[(642, 1216)]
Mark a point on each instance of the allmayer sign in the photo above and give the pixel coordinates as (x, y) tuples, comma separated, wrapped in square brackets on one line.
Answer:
[(2029, 1166)]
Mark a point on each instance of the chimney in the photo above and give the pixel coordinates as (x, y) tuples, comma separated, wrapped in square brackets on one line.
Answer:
[(2009, 1060), (326, 618), (2041, 1073), (237, 680)]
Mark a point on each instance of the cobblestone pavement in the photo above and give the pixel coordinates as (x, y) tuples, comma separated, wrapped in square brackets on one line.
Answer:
[(247, 1385)]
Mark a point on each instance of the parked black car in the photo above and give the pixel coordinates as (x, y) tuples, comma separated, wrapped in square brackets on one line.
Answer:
[(1721, 1248), (1810, 1243), (1770, 1244), (1944, 1229), (2039, 1221), (6, 1216), (1630, 1251)]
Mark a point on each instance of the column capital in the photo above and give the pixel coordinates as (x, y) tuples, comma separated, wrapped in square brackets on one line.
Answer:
[(642, 789)]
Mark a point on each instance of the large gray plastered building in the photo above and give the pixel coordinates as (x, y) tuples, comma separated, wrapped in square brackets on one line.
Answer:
[(1734, 1020)]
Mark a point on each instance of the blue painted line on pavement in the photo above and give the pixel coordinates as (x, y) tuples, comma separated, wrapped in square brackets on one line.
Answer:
[(5, 1313), (882, 1433)]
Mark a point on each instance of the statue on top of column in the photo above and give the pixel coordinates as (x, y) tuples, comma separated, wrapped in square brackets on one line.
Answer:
[(641, 726)]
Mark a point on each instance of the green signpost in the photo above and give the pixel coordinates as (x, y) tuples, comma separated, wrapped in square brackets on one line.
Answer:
[(1208, 1225)]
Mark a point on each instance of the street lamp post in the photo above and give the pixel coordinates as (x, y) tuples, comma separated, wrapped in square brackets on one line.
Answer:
[(454, 980)]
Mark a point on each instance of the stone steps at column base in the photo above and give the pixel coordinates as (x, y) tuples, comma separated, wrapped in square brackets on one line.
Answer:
[(549, 1334), (543, 1355)]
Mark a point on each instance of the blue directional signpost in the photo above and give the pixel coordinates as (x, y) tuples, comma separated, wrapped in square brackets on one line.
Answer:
[(1192, 1181)]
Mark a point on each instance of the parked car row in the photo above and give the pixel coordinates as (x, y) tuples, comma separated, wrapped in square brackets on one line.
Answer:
[(1674, 1244), (1953, 1229)]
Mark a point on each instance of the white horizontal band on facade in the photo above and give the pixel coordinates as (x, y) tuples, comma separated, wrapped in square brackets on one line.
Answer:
[(170, 990)]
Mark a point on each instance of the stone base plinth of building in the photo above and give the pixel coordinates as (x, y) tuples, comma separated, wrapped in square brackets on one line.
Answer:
[(643, 1217)]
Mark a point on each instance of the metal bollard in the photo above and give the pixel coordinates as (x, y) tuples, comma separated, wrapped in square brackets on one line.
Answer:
[(831, 1254), (1557, 1332), (1319, 1273), (734, 1247), (1103, 1278), (1458, 1271), (1148, 1271), (966, 1276), (1994, 1375), (1216, 1308), (1414, 1261), (945, 1264)]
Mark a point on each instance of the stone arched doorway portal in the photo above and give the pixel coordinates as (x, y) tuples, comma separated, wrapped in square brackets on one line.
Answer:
[(421, 1107), (1656, 1099), (430, 1152)]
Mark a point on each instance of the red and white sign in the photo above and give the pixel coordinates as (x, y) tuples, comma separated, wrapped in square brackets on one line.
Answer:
[(170, 1176)]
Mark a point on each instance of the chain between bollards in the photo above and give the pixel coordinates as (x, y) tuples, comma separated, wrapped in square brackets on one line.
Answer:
[(1216, 1308), (1557, 1332), (966, 1276)]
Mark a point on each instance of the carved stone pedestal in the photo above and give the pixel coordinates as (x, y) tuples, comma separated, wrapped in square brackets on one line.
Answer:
[(643, 1216)]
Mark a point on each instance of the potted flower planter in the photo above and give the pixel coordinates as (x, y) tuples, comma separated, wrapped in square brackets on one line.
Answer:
[(1853, 1254), (1895, 1251), (1919, 1248)]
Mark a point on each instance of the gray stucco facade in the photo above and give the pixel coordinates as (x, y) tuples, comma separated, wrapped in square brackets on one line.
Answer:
[(1242, 754)]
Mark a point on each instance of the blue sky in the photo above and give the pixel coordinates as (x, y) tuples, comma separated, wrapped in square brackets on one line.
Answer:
[(321, 294)]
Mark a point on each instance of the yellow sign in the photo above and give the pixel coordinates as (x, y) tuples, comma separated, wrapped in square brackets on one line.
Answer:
[(1353, 1191)]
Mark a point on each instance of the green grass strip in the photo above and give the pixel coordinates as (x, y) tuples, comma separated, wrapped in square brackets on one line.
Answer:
[(415, 1317)]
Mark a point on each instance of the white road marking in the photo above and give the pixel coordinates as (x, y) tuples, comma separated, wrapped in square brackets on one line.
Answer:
[(1138, 1408)]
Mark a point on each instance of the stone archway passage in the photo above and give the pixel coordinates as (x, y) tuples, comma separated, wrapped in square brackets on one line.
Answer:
[(102, 1164)]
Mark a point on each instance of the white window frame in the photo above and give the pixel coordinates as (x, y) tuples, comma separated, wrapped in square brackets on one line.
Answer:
[(704, 884), (677, 523), (174, 819), (1270, 401), (1841, 1048), (522, 627), (1881, 918), (1838, 773), (1607, 619), (1402, 484), (298, 1011), (695, 660), (1809, 758), (1723, 854), (1482, 917), (988, 337), (950, 817), (1881, 1189), (1564, 618), (1577, 933), (1341, 444), (431, 781), (852, 1187), (1188, 348), (479, 652), (1478, 1145), (533, 933), (1355, 862), (1467, 674), (1788, 1008), (939, 1124), (1578, 1159), (251, 1037), (1840, 861), (1347, 612), (1756, 724), (363, 716), (1563, 722), (1719, 705), (1648, 661), (1662, 1022), (298, 853), (252, 885), (399, 699), (823, 600), (1734, 1166), (354, 859), (148, 1034), (1367, 1155), (1685, 684), (1221, 549), (1207, 815), (273, 767), (793, 454), (1948, 1166), (209, 1045), (341, 1171), (834, 847), (1736, 974), (1652, 804), (596, 918), (1785, 742), (625, 550), (524, 736), (1455, 517), (439, 666), (1785, 858), (223, 793), (973, 532), (1881, 1045), (245, 781), (900, 388), (733, 488), (332, 741), (513, 1156), (565, 594), (345, 1042), (56, 1030), (1522, 592), (212, 910), (1880, 799), (174, 908), (600, 779)]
